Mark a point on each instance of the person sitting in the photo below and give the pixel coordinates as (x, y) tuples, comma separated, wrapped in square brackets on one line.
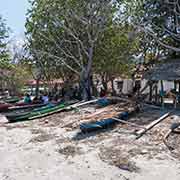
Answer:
[(36, 100), (27, 99), (45, 99)]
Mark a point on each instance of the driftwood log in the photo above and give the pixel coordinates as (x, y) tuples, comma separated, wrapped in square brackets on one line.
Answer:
[(151, 125)]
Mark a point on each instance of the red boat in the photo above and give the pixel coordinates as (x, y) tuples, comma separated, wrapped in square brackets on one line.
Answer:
[(4, 106)]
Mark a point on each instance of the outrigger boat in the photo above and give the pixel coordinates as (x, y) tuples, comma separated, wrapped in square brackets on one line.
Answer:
[(106, 123), (38, 112)]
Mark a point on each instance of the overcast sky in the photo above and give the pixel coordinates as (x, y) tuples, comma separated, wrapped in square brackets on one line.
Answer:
[(14, 12)]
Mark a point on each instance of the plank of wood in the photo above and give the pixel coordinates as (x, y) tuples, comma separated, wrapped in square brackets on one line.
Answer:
[(127, 122), (98, 112), (119, 99), (151, 125)]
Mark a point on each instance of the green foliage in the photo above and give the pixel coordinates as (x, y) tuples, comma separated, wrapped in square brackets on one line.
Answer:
[(160, 22), (115, 52), (54, 25)]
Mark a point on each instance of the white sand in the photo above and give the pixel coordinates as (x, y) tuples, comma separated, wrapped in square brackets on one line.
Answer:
[(23, 158)]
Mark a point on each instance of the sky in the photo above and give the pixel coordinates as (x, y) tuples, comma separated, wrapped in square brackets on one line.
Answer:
[(14, 12)]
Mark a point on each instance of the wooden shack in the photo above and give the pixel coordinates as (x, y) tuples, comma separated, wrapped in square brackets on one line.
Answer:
[(166, 70)]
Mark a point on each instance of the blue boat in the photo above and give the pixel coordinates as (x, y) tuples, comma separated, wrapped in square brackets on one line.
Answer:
[(102, 124)]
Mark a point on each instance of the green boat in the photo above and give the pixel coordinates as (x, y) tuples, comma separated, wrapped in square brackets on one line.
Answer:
[(38, 113), (12, 100)]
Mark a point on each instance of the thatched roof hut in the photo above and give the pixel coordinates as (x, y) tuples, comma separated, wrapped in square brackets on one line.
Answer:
[(169, 71)]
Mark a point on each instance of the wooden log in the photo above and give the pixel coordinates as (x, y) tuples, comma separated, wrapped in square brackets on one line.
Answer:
[(151, 125), (127, 122)]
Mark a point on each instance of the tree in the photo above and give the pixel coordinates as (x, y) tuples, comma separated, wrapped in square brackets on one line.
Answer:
[(4, 54), (65, 34), (158, 19), (114, 53)]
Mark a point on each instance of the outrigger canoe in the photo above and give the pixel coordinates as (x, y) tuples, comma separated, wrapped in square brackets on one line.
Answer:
[(38, 113), (102, 124), (106, 123)]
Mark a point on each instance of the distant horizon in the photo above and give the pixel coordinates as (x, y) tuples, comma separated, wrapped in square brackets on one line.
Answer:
[(14, 14)]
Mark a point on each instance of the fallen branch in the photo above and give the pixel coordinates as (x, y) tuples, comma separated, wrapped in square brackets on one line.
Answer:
[(151, 125), (171, 130)]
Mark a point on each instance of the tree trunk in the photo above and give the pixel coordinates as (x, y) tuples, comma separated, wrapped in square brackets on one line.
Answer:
[(85, 86), (94, 87), (37, 87), (86, 76), (112, 86), (104, 81)]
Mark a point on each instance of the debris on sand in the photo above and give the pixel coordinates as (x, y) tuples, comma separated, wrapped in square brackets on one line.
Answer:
[(70, 151), (42, 138), (115, 157)]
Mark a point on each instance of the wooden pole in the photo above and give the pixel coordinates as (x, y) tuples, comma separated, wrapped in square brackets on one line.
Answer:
[(162, 94), (150, 91), (151, 125), (156, 93), (175, 85), (126, 122)]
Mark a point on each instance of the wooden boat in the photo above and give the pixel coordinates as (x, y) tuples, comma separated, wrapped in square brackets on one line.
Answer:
[(22, 105), (39, 112), (36, 113), (7, 107), (12, 100), (4, 106), (102, 124)]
